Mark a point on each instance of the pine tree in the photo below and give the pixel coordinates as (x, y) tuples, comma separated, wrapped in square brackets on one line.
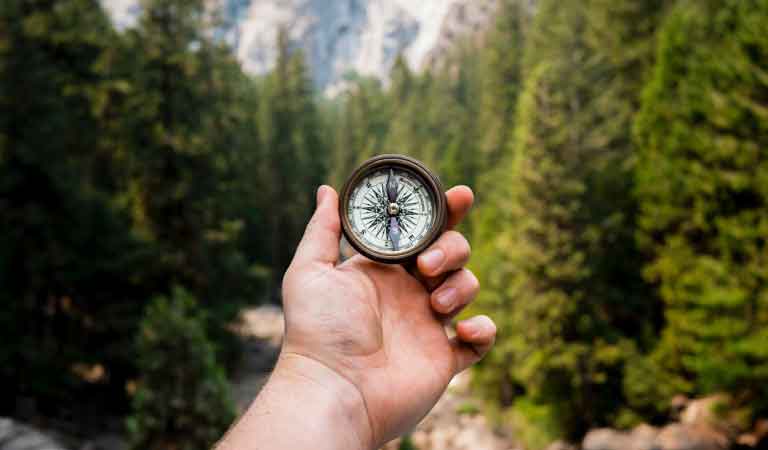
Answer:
[(67, 254), (295, 155), (564, 267), (701, 182), (500, 82), (360, 127), (501, 61), (183, 399)]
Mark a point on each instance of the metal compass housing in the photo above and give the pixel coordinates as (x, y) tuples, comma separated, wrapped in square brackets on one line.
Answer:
[(392, 208)]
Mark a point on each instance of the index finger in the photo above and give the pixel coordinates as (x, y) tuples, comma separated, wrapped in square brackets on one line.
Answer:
[(460, 199)]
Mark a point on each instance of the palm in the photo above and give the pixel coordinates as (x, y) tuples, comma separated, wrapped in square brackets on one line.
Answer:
[(373, 325)]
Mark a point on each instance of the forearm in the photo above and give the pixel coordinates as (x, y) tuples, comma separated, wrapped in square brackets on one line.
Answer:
[(303, 405)]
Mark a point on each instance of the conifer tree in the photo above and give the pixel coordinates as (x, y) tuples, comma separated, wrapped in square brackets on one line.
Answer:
[(501, 79), (294, 154), (564, 267), (183, 399), (67, 254), (701, 180), (361, 125)]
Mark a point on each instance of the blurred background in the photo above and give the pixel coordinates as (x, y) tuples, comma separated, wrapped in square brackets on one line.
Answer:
[(159, 159)]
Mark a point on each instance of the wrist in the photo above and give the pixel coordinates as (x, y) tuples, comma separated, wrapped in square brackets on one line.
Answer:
[(326, 396)]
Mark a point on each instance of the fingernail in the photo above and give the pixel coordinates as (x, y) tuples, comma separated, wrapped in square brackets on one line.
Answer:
[(432, 260), (475, 325), (321, 191), (446, 298)]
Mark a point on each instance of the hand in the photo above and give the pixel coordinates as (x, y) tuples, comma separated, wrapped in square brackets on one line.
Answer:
[(379, 328), (365, 353)]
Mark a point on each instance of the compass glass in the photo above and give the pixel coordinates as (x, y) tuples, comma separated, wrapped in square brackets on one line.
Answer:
[(391, 210)]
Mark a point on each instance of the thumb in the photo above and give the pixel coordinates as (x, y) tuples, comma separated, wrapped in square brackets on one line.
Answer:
[(320, 243)]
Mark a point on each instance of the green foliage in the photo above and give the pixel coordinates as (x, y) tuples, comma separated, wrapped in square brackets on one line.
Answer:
[(65, 240), (126, 167), (183, 399), (536, 425), (619, 233), (292, 144), (501, 82), (701, 180), (467, 408), (563, 277), (406, 443)]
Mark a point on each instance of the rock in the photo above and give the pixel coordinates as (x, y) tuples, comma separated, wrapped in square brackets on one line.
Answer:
[(757, 437), (561, 445), (105, 442), (463, 20), (640, 438), (679, 436), (605, 439), (678, 404), (263, 322), (337, 37), (16, 436), (704, 411), (643, 437)]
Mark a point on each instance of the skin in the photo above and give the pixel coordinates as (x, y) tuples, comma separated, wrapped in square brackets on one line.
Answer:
[(365, 354)]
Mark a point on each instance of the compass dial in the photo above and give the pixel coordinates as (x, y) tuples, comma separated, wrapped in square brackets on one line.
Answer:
[(392, 207), (391, 226)]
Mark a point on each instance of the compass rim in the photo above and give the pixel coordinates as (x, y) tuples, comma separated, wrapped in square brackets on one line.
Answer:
[(430, 181)]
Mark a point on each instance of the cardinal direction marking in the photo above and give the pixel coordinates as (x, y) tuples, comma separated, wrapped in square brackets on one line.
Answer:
[(391, 210)]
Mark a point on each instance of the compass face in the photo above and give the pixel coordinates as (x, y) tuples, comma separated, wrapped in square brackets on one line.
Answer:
[(391, 210)]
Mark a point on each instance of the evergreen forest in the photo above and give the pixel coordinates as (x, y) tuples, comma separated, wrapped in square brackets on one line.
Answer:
[(618, 151)]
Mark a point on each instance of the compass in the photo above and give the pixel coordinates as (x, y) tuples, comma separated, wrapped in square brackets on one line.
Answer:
[(392, 208)]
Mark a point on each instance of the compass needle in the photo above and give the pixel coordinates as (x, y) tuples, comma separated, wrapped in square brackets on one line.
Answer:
[(392, 208)]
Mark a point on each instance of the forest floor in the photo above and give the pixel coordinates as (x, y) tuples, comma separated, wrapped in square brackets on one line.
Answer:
[(455, 423)]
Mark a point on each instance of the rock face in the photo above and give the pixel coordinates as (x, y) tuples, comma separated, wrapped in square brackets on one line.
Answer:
[(15, 436), (338, 37), (464, 19)]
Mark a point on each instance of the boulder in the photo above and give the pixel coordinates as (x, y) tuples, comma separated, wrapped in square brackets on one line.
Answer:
[(705, 411), (680, 436), (561, 445), (16, 436), (643, 437), (605, 439), (677, 405), (640, 438)]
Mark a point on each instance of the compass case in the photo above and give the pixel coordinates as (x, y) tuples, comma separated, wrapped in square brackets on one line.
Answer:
[(430, 181)]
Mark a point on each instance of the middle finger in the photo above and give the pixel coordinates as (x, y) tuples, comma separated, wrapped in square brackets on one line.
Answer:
[(450, 252)]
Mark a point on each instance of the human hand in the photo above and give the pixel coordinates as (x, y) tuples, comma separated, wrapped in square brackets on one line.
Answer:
[(365, 354), (376, 326)]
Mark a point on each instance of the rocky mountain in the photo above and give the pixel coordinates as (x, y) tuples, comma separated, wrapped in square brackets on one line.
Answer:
[(339, 36), (462, 20)]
